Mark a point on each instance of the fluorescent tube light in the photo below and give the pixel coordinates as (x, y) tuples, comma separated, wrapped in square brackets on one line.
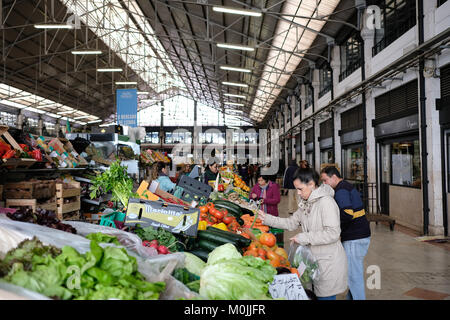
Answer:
[(81, 117), (95, 121), (234, 95), (235, 84), (53, 26), (86, 52), (234, 69), (109, 70), (244, 12), (235, 46), (234, 104), (143, 92), (66, 112), (126, 82)]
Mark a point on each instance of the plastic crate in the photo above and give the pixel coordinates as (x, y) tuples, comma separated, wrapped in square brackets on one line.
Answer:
[(108, 220), (191, 188)]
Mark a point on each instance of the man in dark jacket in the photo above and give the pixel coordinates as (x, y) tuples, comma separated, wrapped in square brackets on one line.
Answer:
[(355, 229), (288, 184)]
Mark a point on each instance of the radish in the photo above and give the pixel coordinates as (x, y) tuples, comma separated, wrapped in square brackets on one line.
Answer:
[(154, 242), (163, 250)]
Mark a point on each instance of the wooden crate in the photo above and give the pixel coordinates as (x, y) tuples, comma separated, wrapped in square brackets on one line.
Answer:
[(68, 207), (22, 163), (73, 191), (33, 189), (32, 203)]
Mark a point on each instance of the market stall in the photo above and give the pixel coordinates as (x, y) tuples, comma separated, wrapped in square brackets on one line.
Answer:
[(130, 239)]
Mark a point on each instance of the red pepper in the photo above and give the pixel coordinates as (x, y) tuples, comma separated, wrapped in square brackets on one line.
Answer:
[(220, 188), (9, 154)]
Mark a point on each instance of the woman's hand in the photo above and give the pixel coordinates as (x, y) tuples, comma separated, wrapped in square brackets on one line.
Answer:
[(261, 215), (254, 195), (294, 239)]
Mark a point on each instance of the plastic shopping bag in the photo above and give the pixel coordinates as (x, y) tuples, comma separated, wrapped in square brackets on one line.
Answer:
[(302, 258)]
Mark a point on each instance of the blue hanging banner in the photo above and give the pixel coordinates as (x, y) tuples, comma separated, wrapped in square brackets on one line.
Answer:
[(126, 107)]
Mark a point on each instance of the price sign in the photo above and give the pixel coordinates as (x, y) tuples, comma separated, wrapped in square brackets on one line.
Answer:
[(287, 286)]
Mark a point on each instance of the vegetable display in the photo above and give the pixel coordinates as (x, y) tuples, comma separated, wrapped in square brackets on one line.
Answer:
[(116, 180), (101, 237), (229, 276), (42, 217), (163, 240), (103, 273), (266, 249)]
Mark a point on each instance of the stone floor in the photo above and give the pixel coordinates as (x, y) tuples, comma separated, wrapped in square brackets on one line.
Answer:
[(410, 269)]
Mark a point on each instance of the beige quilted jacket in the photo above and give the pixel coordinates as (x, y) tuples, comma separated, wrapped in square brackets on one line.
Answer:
[(320, 220)]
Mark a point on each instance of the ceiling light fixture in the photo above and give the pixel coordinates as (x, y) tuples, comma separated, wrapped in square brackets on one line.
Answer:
[(235, 47), (53, 26), (235, 84), (126, 82), (143, 92), (109, 70), (86, 52), (81, 117), (244, 12), (95, 121), (235, 69), (234, 95), (234, 104)]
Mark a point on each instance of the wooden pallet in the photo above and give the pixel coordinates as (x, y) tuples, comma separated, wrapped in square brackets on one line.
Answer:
[(32, 203)]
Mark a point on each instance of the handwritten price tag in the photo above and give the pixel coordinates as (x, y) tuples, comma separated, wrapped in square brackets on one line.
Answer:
[(287, 286)]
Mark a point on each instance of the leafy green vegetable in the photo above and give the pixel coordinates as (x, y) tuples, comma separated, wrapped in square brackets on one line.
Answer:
[(194, 286), (226, 251), (108, 273), (229, 276), (164, 237), (193, 263), (101, 237), (116, 180)]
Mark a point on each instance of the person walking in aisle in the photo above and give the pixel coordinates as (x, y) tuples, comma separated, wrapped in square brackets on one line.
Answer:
[(355, 229), (288, 184), (318, 215), (269, 193)]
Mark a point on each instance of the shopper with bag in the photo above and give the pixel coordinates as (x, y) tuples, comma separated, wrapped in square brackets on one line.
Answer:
[(355, 229), (318, 215), (268, 193)]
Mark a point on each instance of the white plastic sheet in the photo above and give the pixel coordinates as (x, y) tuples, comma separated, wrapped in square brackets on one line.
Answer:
[(154, 268)]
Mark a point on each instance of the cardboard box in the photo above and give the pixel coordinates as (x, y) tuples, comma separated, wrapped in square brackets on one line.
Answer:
[(171, 217)]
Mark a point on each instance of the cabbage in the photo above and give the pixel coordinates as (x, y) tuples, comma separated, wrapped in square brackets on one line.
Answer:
[(226, 251), (229, 276), (193, 263)]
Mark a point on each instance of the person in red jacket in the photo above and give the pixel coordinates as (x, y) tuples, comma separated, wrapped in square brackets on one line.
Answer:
[(269, 192)]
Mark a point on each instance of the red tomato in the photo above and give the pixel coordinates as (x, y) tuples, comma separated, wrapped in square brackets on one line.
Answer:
[(227, 219), (217, 214), (204, 209)]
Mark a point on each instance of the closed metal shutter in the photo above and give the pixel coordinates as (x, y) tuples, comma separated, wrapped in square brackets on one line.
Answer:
[(397, 103), (352, 119), (326, 129), (309, 135), (445, 81)]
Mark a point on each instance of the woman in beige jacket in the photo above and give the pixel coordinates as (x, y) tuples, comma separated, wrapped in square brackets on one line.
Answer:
[(318, 215)]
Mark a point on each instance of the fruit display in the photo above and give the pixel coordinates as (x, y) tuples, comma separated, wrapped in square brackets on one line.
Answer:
[(238, 182), (219, 217)]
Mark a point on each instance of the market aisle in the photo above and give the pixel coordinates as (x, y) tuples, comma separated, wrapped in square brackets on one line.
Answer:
[(409, 269)]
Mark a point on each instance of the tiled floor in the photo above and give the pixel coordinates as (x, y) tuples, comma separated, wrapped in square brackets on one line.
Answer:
[(410, 269)]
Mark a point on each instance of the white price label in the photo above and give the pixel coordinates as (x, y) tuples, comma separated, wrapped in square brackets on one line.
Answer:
[(301, 268)]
